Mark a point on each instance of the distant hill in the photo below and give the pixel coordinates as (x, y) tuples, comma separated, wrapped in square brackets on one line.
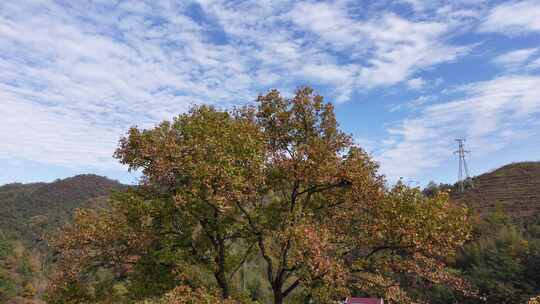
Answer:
[(28, 210), (515, 187)]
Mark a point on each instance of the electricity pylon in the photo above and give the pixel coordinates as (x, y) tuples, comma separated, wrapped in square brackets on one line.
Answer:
[(463, 168)]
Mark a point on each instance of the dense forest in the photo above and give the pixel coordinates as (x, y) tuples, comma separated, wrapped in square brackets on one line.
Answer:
[(29, 212), (265, 204)]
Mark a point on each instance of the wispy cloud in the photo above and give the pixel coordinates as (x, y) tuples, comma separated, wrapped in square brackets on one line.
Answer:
[(414, 104), (386, 47), (60, 137), (74, 77), (82, 74), (535, 64), (484, 116), (86, 72), (513, 17), (515, 58), (416, 83)]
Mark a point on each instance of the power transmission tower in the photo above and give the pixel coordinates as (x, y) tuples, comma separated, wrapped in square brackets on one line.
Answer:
[(463, 168)]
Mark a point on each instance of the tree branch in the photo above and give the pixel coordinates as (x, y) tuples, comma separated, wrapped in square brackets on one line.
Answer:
[(242, 261), (291, 288)]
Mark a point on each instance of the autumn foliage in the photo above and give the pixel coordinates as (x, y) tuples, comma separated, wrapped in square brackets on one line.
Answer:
[(278, 183)]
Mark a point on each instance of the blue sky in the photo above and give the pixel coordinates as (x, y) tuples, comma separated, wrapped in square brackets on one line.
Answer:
[(407, 77)]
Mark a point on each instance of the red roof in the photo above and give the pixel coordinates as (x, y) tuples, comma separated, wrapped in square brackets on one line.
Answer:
[(364, 301)]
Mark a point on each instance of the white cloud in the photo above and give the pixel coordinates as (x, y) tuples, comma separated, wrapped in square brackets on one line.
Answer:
[(88, 71), (535, 64), (418, 5), (413, 104), (483, 116), (54, 135), (84, 75), (513, 18), (416, 83), (514, 58), (393, 48)]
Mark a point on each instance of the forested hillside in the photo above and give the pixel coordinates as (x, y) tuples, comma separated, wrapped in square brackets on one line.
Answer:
[(29, 210), (502, 258), (27, 213)]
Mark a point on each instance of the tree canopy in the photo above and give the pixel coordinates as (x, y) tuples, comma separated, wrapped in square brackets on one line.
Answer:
[(279, 184)]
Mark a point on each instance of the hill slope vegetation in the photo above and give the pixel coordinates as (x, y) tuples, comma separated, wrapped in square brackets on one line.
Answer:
[(514, 188), (28, 210)]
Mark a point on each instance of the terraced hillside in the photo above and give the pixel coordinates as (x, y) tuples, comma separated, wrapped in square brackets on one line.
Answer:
[(515, 187)]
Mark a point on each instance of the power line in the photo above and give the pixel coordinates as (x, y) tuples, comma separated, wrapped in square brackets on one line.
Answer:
[(463, 167)]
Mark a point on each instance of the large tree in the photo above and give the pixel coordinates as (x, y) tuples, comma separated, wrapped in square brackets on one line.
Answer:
[(328, 221), (278, 181)]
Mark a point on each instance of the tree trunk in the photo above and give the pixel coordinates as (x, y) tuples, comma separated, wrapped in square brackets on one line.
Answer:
[(278, 295), (220, 274), (223, 284)]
